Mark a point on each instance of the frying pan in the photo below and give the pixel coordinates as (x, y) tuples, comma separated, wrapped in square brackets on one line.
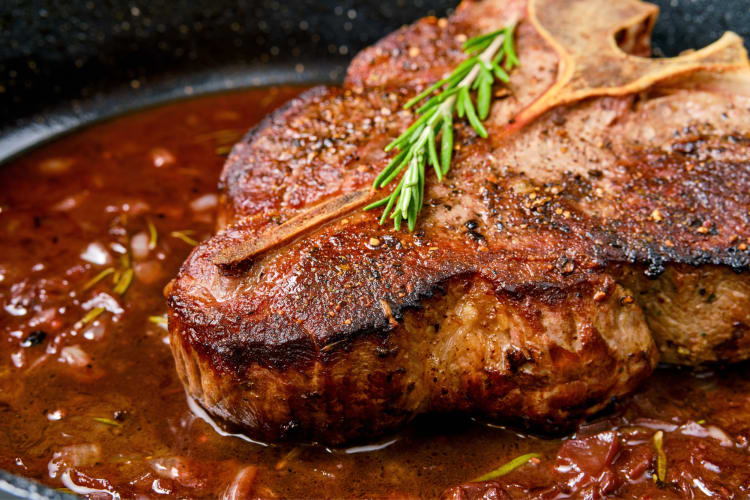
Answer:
[(64, 65)]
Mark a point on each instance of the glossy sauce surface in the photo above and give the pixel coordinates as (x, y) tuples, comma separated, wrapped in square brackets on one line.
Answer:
[(93, 403)]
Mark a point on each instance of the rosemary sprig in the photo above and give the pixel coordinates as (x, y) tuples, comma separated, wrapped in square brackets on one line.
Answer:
[(490, 57)]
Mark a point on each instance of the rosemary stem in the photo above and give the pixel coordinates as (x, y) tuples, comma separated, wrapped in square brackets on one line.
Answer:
[(416, 145), (446, 107), (486, 58)]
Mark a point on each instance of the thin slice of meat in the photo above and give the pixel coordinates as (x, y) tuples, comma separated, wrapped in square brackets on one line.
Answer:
[(521, 295)]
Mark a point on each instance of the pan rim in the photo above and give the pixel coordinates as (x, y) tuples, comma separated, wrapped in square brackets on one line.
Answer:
[(38, 130)]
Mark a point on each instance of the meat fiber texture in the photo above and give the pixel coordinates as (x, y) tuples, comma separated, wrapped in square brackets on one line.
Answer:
[(591, 235)]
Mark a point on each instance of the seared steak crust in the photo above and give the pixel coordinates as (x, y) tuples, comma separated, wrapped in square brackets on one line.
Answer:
[(520, 295), (533, 359)]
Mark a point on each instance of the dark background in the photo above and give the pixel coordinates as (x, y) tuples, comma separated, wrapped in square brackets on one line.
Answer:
[(63, 63)]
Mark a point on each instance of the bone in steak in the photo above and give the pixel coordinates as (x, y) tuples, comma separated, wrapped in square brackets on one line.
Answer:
[(601, 227)]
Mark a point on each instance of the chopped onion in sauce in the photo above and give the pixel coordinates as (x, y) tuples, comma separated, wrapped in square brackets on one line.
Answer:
[(148, 272), (205, 202), (242, 485), (137, 207), (54, 166), (78, 455), (55, 415), (139, 245), (95, 253), (161, 157), (95, 331), (104, 300), (176, 468), (70, 202), (696, 430), (75, 356)]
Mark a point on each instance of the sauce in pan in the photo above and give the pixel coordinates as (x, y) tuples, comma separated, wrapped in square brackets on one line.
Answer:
[(93, 227)]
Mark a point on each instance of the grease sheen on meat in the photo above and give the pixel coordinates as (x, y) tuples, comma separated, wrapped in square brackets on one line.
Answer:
[(545, 275)]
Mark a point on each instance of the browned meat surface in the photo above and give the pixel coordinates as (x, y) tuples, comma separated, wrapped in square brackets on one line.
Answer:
[(546, 271)]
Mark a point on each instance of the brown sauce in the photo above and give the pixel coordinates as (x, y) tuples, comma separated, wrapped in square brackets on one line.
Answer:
[(98, 407)]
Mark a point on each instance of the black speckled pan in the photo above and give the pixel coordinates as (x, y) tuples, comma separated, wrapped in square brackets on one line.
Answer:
[(65, 64)]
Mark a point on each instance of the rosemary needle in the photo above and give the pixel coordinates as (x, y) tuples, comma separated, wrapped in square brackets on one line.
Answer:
[(124, 282), (507, 468), (96, 279), (106, 421), (184, 236), (153, 235), (90, 316), (490, 57), (661, 457), (158, 320)]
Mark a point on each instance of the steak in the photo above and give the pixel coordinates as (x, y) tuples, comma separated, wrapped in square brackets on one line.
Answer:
[(601, 227)]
